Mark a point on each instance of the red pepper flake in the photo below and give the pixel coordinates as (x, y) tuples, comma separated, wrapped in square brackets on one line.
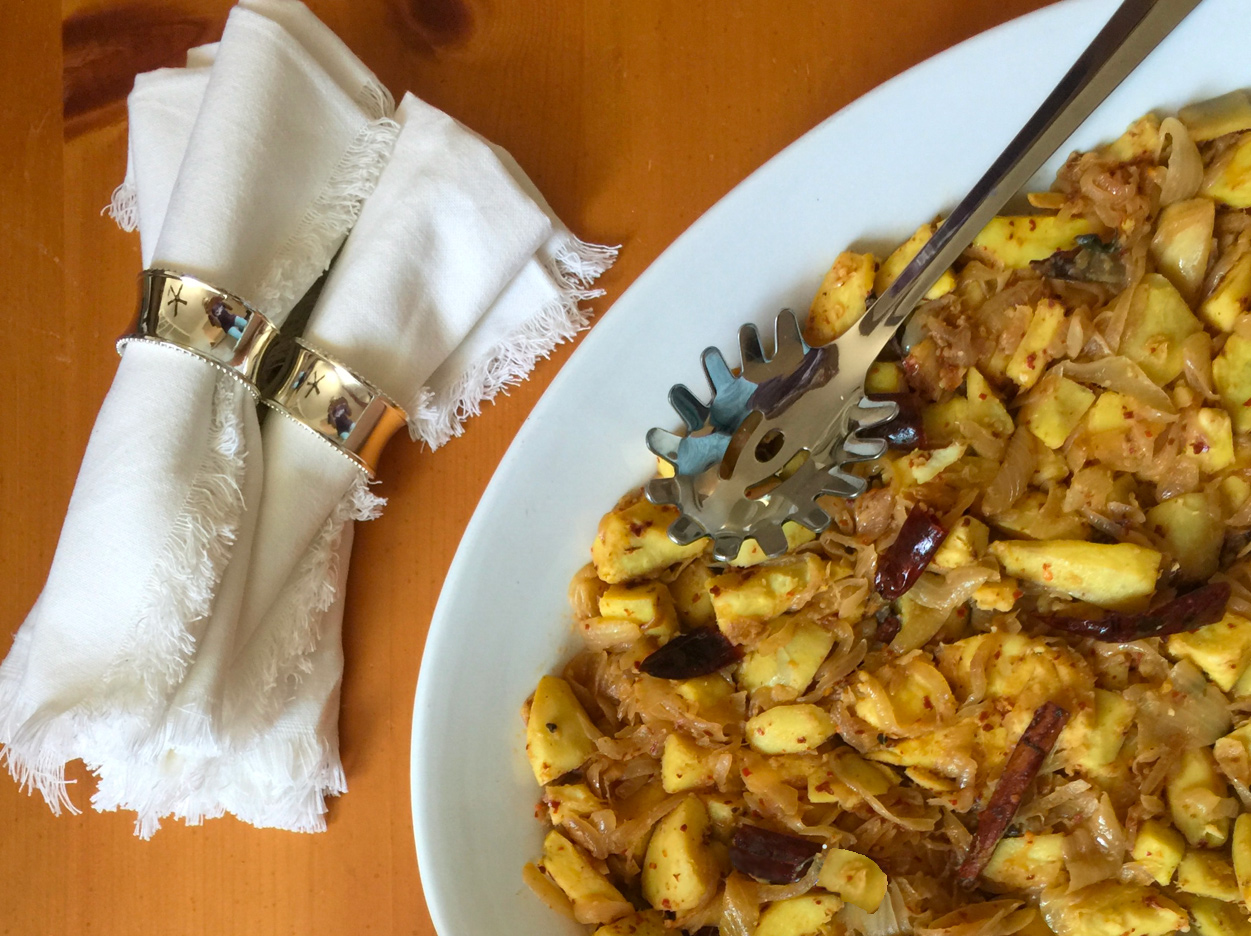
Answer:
[(1023, 765)]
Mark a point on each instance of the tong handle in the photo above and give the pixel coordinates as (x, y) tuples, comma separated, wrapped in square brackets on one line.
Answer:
[(1136, 28)]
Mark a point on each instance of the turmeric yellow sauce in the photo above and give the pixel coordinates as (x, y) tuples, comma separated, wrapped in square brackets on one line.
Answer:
[(1007, 691)]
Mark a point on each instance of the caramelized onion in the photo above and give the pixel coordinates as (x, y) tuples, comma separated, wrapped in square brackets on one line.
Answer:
[(1013, 477), (1185, 166)]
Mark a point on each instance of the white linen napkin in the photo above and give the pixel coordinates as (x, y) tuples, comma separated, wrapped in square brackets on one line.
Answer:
[(290, 137), (455, 280)]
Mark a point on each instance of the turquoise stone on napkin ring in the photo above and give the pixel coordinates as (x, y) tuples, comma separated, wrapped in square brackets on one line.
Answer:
[(187, 313), (335, 402)]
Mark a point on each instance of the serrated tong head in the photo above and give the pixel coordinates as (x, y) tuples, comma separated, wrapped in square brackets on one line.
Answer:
[(771, 440)]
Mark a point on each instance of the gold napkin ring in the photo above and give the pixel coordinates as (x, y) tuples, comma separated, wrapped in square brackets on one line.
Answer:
[(184, 312), (338, 404)]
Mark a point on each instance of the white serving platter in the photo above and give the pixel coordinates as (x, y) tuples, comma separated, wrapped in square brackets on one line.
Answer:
[(866, 176)]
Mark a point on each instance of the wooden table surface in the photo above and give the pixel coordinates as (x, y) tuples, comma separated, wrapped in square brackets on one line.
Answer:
[(632, 116)]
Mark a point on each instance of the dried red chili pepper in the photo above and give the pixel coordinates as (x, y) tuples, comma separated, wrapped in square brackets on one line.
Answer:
[(686, 656), (902, 562), (1195, 609), (906, 430), (772, 857), (887, 629), (1023, 765)]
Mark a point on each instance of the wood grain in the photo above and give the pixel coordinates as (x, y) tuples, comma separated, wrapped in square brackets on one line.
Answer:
[(633, 116)]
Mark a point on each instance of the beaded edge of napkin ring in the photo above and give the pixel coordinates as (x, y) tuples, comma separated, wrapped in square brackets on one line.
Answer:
[(188, 314), (330, 399)]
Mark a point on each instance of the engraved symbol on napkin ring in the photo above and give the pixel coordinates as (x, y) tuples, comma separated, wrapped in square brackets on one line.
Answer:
[(229, 333), (330, 399)]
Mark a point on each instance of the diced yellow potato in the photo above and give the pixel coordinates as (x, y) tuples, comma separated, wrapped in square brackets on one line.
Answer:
[(1222, 650), (1228, 179), (705, 692), (1233, 752), (1216, 918), (1159, 849), (1192, 530), (885, 377), (724, 812), (648, 605), (985, 407), (1016, 242), (893, 265), (559, 733), (1029, 517), (684, 766), (594, 898), (1231, 372), (763, 592), (567, 802), (1054, 409), (798, 916), (1140, 141), (1028, 862), (751, 554), (825, 785), (690, 595), (1231, 297), (1098, 738), (1051, 467), (1195, 791), (1017, 669), (842, 297), (853, 877), (964, 545), (1112, 411), (1208, 439), (997, 596), (643, 923), (1183, 243), (679, 867), (789, 729), (1207, 120), (1031, 356), (1109, 908), (1158, 322), (1235, 492), (1241, 849), (941, 421), (633, 542), (922, 466), (1207, 874), (664, 469), (791, 665), (1111, 575)]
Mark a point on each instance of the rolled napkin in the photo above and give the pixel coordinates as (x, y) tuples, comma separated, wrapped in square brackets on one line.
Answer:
[(455, 280), (289, 138)]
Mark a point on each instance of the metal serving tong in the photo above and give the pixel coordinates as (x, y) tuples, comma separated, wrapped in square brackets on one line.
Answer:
[(782, 432)]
